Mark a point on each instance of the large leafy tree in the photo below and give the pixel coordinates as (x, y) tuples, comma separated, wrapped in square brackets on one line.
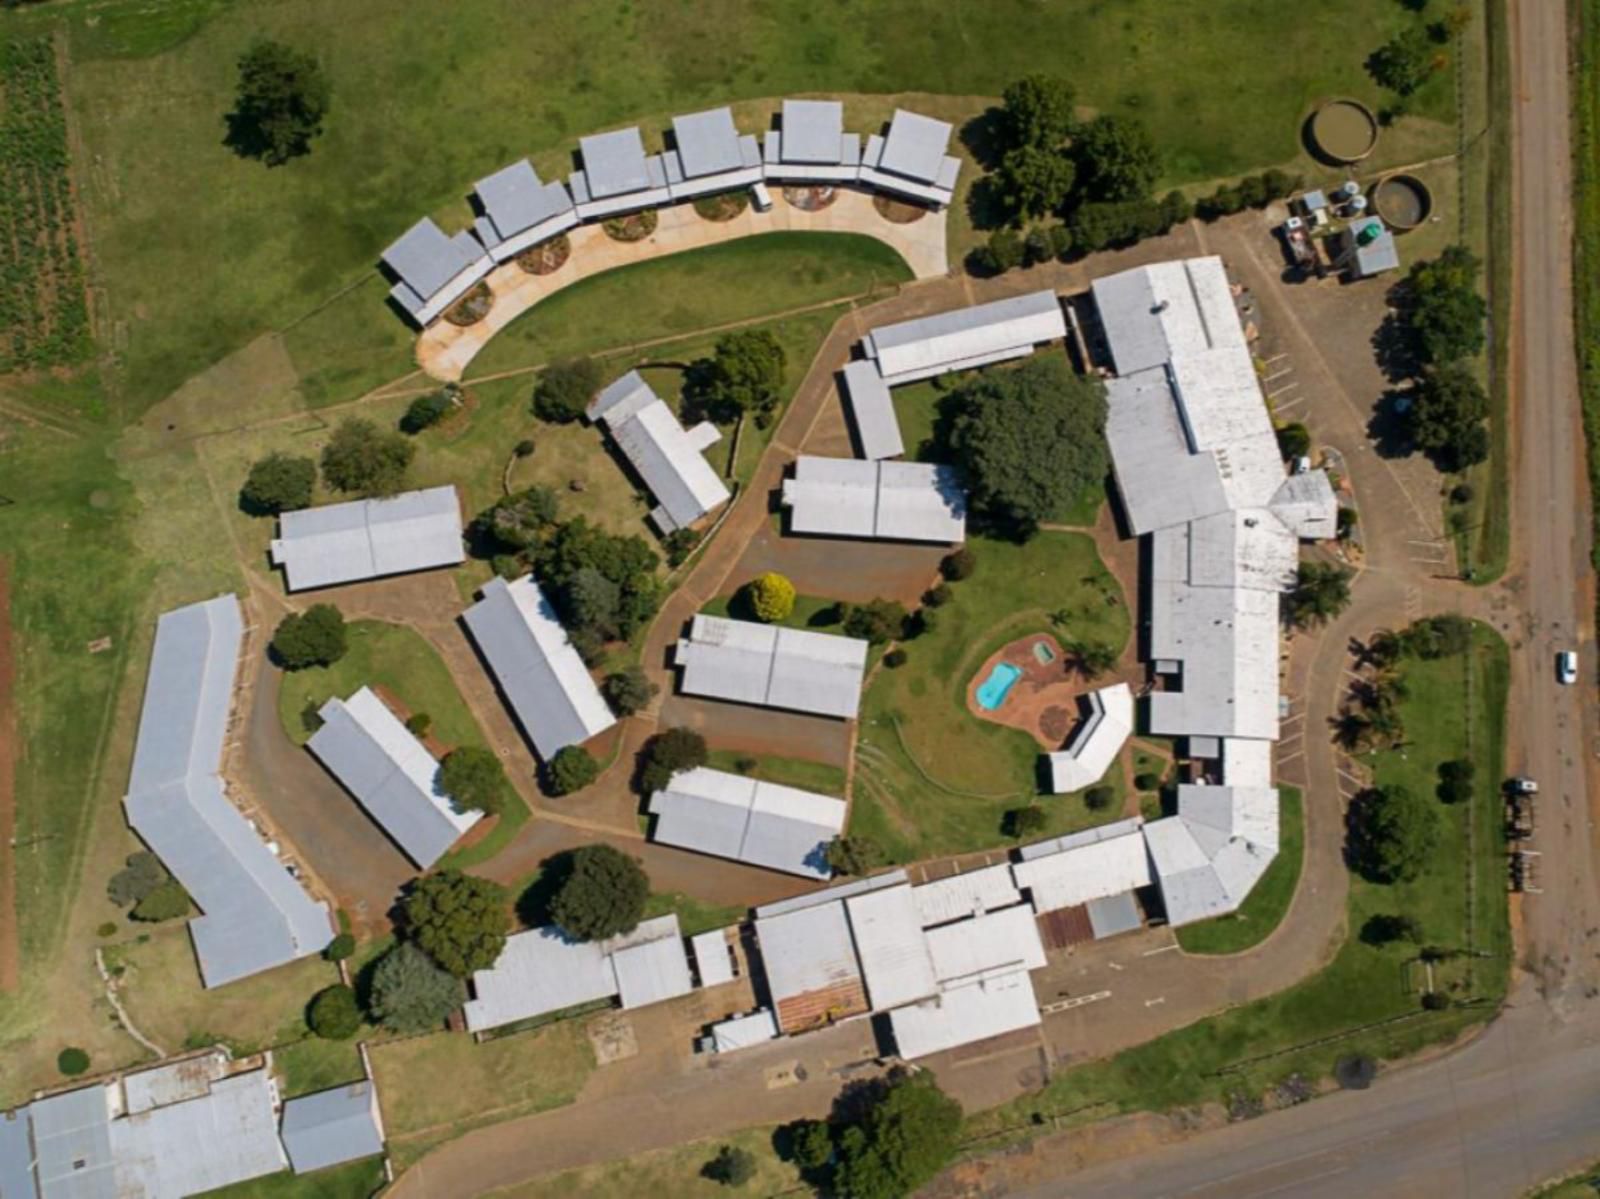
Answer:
[(771, 597), (877, 621), (281, 102), (522, 520), (142, 873), (902, 1140), (1116, 160), (1035, 180), (411, 994), (1443, 306), (315, 637), (744, 375), (1446, 416), (565, 389), (459, 920), (1393, 833), (667, 753), (572, 769), (278, 483), (1406, 61), (1037, 110), (1031, 440), (628, 691), (603, 895), (366, 460), (474, 779)]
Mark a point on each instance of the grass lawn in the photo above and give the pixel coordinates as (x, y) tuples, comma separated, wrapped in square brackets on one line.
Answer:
[(1362, 997), (820, 777), (1585, 1184), (354, 1180), (669, 1174), (694, 915), (489, 1082), (1266, 905), (313, 1064), (932, 778)]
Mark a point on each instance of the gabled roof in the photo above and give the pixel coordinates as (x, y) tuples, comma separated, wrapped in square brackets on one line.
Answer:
[(615, 164), (988, 1007), (853, 497), (732, 816), (435, 270), (667, 457), (331, 1127), (810, 963), (744, 1032), (391, 774), (255, 915), (1072, 870), (962, 895), (1210, 855), (965, 337), (1306, 505), (877, 426), (16, 1156), (891, 946), (708, 142), (540, 673), (1096, 742), (752, 663), (365, 539), (515, 199), (992, 943)]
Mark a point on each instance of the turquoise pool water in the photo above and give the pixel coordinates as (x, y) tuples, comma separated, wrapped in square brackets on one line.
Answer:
[(993, 690)]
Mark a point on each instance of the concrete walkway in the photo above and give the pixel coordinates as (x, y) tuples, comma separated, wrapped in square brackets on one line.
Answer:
[(444, 350)]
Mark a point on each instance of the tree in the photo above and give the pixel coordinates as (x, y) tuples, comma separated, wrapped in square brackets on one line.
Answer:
[(903, 1139), (1386, 929), (1446, 417), (855, 855), (1294, 441), (1093, 658), (334, 1014), (1002, 251), (1455, 781), (141, 874), (1098, 799), (340, 948), (1393, 834), (281, 101), (409, 993), (1035, 180), (418, 724), (1030, 440), (166, 902), (459, 920), (938, 595), (1025, 821), (876, 621), (1346, 522), (813, 1143), (1321, 592), (426, 411), (72, 1061), (1116, 160), (1442, 306), (572, 769), (895, 658), (1433, 637), (1061, 241), (1038, 110), (667, 753), (594, 602), (524, 518), (1037, 247), (1406, 61), (315, 637), (1147, 780), (603, 895), (743, 376), (628, 691), (679, 544), (770, 597), (474, 779), (958, 564), (565, 389), (278, 483), (732, 1167), (364, 460)]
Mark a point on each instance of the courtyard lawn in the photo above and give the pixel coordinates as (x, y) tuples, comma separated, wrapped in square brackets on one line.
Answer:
[(694, 916), (488, 1082), (933, 779), (353, 1180), (313, 1064), (1365, 1001), (1262, 911), (820, 777)]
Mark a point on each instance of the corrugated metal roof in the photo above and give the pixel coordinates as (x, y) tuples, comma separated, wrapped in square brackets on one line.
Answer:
[(666, 457), (932, 345), (731, 816), (515, 200), (812, 131), (812, 899), (962, 895), (330, 1127), (707, 142), (391, 774), (898, 501), (807, 950), (364, 539), (16, 1157), (996, 942), (915, 146), (712, 957), (1210, 855), (614, 163), (777, 667), (1113, 914), (538, 971), (744, 1032), (427, 259), (964, 1015), (256, 915), (653, 970), (893, 950), (1096, 742), (872, 408), (543, 678), (73, 1158), (1080, 869)]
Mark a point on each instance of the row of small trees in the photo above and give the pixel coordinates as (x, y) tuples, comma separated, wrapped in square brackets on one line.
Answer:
[(1438, 331)]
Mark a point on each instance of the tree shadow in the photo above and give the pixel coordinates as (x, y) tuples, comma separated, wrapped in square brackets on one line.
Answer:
[(1387, 427), (987, 206), (1396, 349), (533, 905), (985, 137)]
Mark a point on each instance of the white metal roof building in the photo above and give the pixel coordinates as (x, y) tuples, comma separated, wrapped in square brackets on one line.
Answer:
[(964, 895), (331, 1127), (746, 662), (1209, 856), (391, 774), (255, 915), (710, 155), (744, 1032), (961, 1015), (809, 959), (617, 176), (713, 956), (887, 501), (16, 1157), (542, 971), (366, 539), (993, 942), (966, 337), (1075, 869), (520, 211), (872, 408), (910, 159), (434, 270), (540, 673), (811, 146), (1096, 742), (894, 954), (667, 457), (732, 816)]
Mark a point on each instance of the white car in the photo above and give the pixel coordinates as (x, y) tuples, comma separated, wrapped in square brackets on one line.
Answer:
[(1567, 667)]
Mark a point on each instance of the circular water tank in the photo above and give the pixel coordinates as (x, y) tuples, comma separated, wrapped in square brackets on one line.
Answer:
[(1358, 204), (1352, 188)]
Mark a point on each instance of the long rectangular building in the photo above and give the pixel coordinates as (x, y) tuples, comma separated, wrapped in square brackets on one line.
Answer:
[(366, 539), (391, 774), (887, 501), (966, 337), (668, 457), (540, 673), (750, 663), (254, 914), (749, 820)]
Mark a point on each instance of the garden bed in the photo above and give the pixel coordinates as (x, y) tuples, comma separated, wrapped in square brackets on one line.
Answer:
[(472, 307), (547, 257), (636, 226), (722, 206), (899, 212), (810, 199)]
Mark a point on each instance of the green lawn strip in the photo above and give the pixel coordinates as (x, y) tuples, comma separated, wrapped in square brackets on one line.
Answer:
[(1366, 1000), (820, 777), (354, 1180), (673, 1173), (932, 778), (1265, 907), (694, 915), (313, 1064), (1582, 1184)]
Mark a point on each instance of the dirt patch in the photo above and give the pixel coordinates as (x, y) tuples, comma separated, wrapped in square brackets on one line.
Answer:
[(547, 257), (810, 199), (636, 226), (723, 206), (613, 1039), (898, 212), (9, 946), (1043, 700), (472, 307)]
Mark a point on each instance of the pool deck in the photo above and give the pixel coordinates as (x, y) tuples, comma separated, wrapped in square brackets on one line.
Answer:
[(1042, 702)]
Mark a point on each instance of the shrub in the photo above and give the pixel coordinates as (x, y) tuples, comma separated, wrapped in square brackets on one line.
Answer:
[(958, 565), (628, 691), (426, 411), (667, 753), (1462, 493), (895, 658), (877, 621), (334, 1014), (141, 874), (524, 448), (522, 520), (746, 764), (572, 769), (1435, 1001), (72, 1061), (409, 993), (459, 920), (1147, 781), (1435, 637), (1097, 799), (1456, 779), (1003, 251), (603, 896), (770, 596), (362, 459), (1392, 834), (1385, 929), (1037, 246), (938, 596), (340, 948), (108, 929), (1294, 440), (1348, 519), (732, 1167), (166, 902), (1060, 241), (315, 637), (1024, 821), (679, 544), (418, 724), (311, 717), (565, 389), (278, 483), (855, 855), (474, 779)]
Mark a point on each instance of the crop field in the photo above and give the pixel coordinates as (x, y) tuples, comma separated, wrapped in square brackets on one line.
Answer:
[(44, 319)]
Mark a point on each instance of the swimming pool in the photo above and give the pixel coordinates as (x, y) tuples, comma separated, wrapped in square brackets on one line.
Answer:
[(993, 690)]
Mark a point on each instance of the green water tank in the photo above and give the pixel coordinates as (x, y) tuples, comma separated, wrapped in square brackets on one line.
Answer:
[(1368, 233)]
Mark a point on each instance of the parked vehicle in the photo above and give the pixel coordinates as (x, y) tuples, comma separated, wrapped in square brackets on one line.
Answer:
[(1523, 785), (1567, 667)]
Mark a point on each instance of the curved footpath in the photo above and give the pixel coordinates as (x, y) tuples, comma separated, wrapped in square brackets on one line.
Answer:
[(445, 350)]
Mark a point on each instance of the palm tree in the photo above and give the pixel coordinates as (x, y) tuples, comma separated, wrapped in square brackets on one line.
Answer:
[(1093, 658), (1320, 593)]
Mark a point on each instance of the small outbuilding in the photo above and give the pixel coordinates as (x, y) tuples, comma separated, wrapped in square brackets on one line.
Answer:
[(519, 210), (332, 1127)]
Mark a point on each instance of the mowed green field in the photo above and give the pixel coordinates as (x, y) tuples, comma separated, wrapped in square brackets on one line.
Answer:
[(201, 252)]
